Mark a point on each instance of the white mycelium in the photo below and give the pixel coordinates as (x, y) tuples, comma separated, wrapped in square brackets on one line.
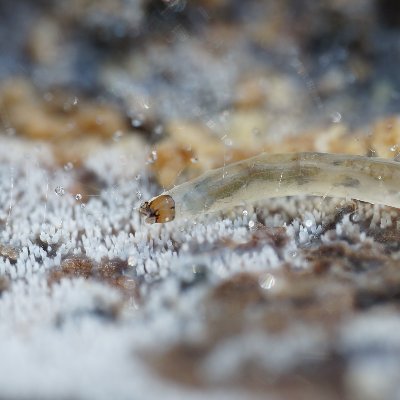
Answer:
[(62, 341)]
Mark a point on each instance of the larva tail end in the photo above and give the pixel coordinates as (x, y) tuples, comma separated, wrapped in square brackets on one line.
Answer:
[(161, 209)]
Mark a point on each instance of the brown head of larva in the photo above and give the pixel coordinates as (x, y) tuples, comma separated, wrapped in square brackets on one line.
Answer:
[(158, 210)]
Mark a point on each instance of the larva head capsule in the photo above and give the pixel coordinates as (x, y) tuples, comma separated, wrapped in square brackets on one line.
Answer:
[(161, 209)]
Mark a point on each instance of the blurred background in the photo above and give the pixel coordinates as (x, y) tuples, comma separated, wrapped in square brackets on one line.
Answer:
[(204, 80)]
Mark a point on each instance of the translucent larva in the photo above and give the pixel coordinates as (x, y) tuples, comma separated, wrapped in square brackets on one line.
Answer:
[(369, 179)]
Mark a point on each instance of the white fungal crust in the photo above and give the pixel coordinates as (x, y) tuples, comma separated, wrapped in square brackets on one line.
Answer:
[(373, 180)]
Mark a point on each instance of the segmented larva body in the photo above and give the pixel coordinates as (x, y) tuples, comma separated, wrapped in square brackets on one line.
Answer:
[(370, 179)]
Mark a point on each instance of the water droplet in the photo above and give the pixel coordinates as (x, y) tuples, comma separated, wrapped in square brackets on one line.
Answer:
[(394, 148), (152, 157), (379, 177), (83, 205), (308, 223), (194, 160), (138, 121), (355, 217), (267, 281), (78, 196), (117, 135), (294, 254), (158, 130), (336, 117), (139, 194), (60, 191), (245, 212), (251, 224), (70, 103), (68, 166), (132, 261)]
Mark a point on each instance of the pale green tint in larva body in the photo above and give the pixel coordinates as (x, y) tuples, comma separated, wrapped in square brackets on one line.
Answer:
[(370, 179)]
